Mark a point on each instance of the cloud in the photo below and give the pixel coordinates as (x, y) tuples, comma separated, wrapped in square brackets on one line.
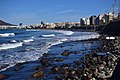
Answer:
[(66, 11)]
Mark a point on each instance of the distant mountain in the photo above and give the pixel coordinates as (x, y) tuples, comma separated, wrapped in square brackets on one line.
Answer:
[(5, 23)]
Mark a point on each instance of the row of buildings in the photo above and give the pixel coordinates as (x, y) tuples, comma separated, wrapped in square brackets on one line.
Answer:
[(101, 19), (55, 25)]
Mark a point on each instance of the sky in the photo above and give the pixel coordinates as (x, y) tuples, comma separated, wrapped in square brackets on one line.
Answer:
[(35, 11)]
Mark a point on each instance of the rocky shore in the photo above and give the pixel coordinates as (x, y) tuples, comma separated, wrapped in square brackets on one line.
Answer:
[(96, 62)]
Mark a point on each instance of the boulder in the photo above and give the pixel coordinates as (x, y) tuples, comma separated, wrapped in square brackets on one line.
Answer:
[(76, 52), (65, 53), (38, 74), (2, 76), (45, 62), (58, 59)]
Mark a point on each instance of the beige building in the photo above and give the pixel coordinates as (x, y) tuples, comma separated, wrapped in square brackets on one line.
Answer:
[(51, 25)]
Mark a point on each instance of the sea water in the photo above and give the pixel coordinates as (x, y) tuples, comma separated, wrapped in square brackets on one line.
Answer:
[(28, 45)]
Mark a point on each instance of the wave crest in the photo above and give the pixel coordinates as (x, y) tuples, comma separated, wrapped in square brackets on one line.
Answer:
[(7, 34), (66, 32), (29, 40), (49, 35), (12, 45)]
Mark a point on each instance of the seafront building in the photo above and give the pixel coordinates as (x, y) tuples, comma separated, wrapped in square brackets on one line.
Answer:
[(7, 27), (82, 21), (93, 20), (101, 19)]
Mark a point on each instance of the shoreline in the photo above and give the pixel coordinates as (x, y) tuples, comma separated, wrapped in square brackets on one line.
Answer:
[(6, 66), (18, 66), (69, 63)]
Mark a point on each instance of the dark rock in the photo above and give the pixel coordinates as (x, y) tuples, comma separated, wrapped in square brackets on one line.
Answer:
[(58, 59), (77, 63), (58, 78), (65, 53), (38, 68), (19, 64), (4, 66), (45, 62), (76, 52), (112, 28), (45, 55), (38, 74), (2, 76), (62, 46), (55, 69)]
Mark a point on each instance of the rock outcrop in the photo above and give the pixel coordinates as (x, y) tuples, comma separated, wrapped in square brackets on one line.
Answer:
[(112, 28)]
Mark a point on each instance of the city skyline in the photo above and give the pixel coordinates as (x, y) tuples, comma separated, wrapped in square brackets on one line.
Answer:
[(35, 11)]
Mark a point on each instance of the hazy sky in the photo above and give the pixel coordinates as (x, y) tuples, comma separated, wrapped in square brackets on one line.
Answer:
[(35, 11)]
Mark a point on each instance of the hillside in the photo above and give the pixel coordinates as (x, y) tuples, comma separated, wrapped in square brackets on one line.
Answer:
[(5, 23)]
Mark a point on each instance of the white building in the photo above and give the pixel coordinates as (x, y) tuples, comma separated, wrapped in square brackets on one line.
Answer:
[(7, 27), (87, 21)]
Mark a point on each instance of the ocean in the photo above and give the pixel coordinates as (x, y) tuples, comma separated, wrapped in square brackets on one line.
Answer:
[(28, 45)]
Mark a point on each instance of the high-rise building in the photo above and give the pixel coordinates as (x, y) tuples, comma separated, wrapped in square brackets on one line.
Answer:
[(111, 16), (101, 19), (87, 21), (92, 20), (82, 21)]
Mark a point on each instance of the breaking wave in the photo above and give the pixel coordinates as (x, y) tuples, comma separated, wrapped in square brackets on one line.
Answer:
[(10, 45), (32, 30), (65, 32), (50, 35), (29, 40), (7, 34), (84, 37)]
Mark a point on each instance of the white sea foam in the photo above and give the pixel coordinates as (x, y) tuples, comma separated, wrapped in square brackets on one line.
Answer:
[(8, 45), (110, 38), (49, 35), (59, 41), (29, 40), (65, 32), (32, 30), (63, 40), (13, 41), (7, 34), (32, 37), (84, 37)]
